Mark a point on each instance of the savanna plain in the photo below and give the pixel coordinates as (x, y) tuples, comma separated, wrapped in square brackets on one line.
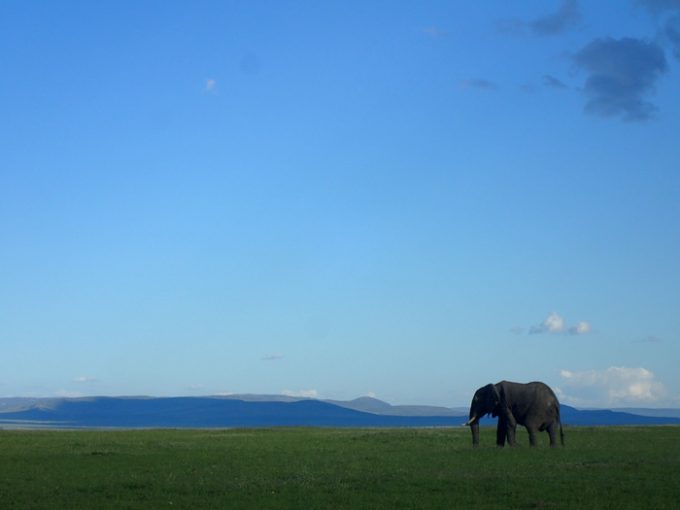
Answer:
[(603, 467)]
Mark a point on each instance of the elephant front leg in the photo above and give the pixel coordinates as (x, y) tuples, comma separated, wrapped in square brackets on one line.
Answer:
[(501, 432)]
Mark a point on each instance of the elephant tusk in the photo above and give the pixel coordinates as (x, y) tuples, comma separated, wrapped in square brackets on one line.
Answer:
[(469, 421)]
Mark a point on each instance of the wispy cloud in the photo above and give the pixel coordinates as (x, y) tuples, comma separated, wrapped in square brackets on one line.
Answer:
[(301, 393), (83, 379), (567, 16), (650, 339), (672, 33), (660, 5), (478, 83), (552, 82), (614, 386), (582, 328), (670, 10), (511, 26), (621, 73), (273, 357), (435, 32), (210, 85)]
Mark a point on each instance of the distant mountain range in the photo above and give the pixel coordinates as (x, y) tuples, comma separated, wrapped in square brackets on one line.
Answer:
[(269, 411)]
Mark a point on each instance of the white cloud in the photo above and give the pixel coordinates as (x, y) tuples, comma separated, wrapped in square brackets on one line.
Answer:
[(553, 323), (301, 393), (612, 387)]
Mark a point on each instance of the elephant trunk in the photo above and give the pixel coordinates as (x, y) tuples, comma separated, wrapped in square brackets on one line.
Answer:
[(474, 427)]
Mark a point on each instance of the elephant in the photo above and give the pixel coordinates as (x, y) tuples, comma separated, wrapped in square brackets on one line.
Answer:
[(533, 405)]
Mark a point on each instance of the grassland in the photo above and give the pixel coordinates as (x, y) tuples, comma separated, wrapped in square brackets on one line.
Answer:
[(336, 468)]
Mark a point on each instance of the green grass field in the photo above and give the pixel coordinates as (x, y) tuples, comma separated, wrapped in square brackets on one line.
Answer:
[(337, 468)]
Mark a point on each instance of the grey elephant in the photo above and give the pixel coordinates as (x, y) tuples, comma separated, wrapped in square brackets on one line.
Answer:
[(533, 405)]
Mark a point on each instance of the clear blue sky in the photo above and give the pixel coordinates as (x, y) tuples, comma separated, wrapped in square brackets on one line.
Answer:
[(400, 199)]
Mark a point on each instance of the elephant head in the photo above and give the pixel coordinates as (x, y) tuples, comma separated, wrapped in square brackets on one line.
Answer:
[(485, 401)]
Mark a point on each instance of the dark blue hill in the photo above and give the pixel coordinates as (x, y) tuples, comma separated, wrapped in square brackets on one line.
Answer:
[(571, 416), (208, 412), (602, 417)]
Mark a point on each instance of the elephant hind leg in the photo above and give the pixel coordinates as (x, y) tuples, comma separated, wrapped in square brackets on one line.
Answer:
[(533, 436), (511, 435), (552, 432), (510, 427)]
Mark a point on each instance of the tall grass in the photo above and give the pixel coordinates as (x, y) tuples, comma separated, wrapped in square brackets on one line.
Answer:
[(337, 468)]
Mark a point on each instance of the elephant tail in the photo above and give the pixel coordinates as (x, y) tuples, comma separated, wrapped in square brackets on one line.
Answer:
[(559, 420)]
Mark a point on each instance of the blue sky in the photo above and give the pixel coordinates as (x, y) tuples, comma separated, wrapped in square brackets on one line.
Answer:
[(400, 199)]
